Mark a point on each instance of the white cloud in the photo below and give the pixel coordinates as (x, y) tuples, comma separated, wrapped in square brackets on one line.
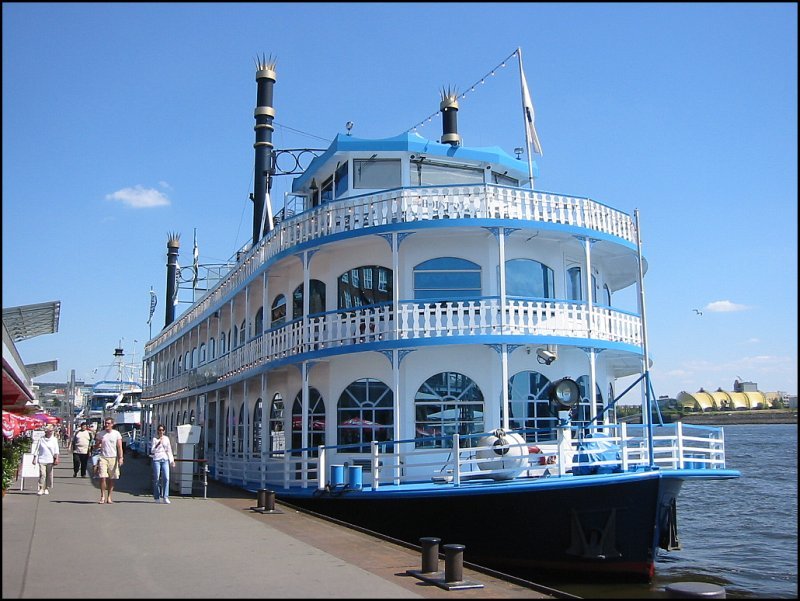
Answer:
[(165, 185), (725, 306), (139, 197)]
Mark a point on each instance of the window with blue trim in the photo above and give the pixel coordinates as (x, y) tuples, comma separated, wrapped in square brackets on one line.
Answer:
[(446, 404), (529, 278), (365, 285), (447, 277), (365, 413)]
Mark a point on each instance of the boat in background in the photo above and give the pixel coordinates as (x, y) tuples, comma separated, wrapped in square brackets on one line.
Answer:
[(427, 346), (118, 396)]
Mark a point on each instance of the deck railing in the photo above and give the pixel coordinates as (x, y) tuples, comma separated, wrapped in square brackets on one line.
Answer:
[(459, 459), (329, 331), (408, 205)]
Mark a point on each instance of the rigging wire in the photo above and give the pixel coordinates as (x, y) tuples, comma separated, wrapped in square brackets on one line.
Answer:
[(470, 89)]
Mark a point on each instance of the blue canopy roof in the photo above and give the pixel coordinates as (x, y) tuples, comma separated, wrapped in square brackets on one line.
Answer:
[(412, 142)]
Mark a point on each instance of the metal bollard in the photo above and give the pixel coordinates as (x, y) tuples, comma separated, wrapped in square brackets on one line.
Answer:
[(205, 481), (453, 563), (430, 554), (262, 498)]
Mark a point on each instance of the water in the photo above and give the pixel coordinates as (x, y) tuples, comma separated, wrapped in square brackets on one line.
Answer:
[(739, 534)]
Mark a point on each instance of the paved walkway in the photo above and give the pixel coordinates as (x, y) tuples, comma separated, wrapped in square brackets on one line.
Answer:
[(66, 545)]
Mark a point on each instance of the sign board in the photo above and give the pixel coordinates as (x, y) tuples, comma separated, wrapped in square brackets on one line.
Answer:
[(28, 470)]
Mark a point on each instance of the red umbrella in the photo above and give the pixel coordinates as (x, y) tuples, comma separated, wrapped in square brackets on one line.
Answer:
[(47, 418), (12, 425)]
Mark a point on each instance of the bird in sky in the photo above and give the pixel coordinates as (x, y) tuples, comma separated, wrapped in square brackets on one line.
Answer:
[(698, 311)]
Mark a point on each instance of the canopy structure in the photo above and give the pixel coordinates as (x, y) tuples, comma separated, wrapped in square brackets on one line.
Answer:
[(15, 424), (21, 323)]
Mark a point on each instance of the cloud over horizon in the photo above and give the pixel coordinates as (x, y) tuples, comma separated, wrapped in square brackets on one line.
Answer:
[(139, 197), (725, 306)]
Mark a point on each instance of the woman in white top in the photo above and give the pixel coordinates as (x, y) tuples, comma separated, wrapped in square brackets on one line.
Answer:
[(46, 456), (161, 452)]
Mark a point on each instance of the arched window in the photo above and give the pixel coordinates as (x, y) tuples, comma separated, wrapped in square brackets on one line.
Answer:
[(365, 413), (180, 365), (278, 315), (258, 324), (446, 404), (316, 421), (187, 360), (366, 285), (529, 406), (581, 413), (202, 353), (607, 292), (530, 279), (211, 349), (185, 419), (240, 430), (229, 431), (316, 302), (242, 332), (277, 434), (194, 357), (574, 284), (235, 336), (222, 346), (257, 427), (447, 277)]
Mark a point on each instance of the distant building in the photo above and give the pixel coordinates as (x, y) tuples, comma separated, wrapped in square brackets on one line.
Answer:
[(721, 400)]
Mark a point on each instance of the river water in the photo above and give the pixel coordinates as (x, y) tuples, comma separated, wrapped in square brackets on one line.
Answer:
[(738, 534)]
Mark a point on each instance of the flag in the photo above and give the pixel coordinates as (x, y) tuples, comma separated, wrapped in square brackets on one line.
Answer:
[(527, 106), (195, 265), (153, 303)]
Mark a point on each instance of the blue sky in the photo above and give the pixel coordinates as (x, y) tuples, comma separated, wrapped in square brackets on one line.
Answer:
[(123, 122)]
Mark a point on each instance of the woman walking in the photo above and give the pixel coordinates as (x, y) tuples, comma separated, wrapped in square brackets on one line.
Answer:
[(46, 456), (161, 452)]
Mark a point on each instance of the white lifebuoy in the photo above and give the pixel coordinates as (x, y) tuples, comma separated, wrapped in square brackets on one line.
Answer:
[(508, 453)]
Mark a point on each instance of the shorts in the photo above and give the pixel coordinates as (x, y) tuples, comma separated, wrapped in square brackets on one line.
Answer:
[(108, 467)]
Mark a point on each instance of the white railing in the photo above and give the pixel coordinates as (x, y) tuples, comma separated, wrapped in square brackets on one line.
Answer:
[(459, 459), (414, 320), (407, 205)]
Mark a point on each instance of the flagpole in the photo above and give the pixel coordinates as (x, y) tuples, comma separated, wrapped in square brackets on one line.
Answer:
[(525, 119)]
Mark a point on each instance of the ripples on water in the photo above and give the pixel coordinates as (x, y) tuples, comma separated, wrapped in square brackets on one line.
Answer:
[(740, 534)]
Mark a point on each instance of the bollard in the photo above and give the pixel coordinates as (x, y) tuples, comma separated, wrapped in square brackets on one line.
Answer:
[(205, 481), (694, 590), (262, 498), (430, 554), (453, 563), (269, 500), (266, 502)]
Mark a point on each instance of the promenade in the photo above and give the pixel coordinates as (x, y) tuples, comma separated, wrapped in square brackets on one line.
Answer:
[(66, 545)]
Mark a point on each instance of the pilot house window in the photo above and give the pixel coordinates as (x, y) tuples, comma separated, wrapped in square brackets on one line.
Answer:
[(375, 174)]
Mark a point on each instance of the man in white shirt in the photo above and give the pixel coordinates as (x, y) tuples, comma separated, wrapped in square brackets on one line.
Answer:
[(81, 442), (109, 441), (46, 456)]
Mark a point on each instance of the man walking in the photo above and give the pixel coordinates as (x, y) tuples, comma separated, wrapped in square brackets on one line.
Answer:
[(109, 441), (46, 456), (81, 442)]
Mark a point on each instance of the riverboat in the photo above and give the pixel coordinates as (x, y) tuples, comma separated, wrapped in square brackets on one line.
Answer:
[(422, 344)]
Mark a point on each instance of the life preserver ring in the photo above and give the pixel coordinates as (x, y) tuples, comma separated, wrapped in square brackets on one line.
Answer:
[(544, 459)]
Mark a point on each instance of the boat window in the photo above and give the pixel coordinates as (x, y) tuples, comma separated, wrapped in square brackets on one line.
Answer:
[(240, 430), (447, 277), (581, 412), (366, 285), (202, 353), (259, 322), (504, 180), (607, 292), (365, 413), (430, 173), (185, 417), (574, 287), (446, 404), (180, 365), (340, 177), (235, 337), (530, 279), (187, 360), (316, 304), (529, 406), (278, 310), (376, 174), (194, 357), (242, 332), (257, 427), (222, 344), (229, 425), (316, 421), (277, 436), (326, 193), (211, 349)]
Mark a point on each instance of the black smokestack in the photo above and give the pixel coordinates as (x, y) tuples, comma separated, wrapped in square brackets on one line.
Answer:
[(449, 108), (264, 114), (173, 243)]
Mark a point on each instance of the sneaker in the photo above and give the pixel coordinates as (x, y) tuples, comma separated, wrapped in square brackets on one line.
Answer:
[(166, 500), (47, 491), (156, 500), (40, 492)]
